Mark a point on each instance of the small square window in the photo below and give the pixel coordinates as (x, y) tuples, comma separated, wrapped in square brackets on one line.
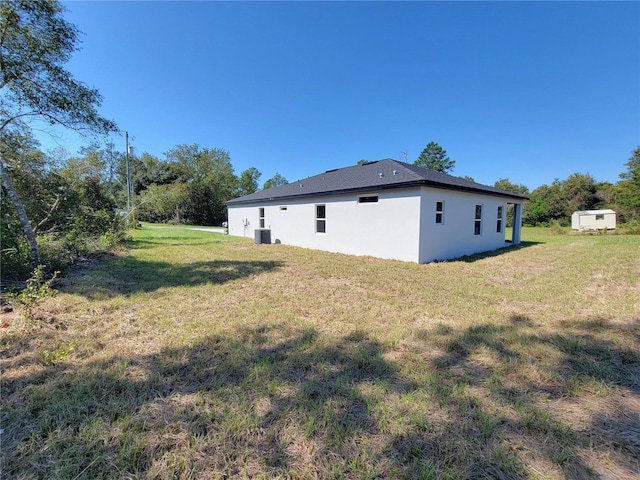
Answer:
[(599, 216)]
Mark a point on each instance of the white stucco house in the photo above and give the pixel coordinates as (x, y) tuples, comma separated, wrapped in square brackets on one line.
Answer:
[(593, 220), (386, 209)]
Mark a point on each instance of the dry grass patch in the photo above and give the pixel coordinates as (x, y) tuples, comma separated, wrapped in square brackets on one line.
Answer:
[(199, 355)]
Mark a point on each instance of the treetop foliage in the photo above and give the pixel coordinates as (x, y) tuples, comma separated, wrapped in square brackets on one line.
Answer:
[(36, 41), (275, 181), (633, 166), (627, 192), (248, 181), (434, 157), (505, 184)]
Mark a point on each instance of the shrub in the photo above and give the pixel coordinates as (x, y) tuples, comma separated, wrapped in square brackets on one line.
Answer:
[(555, 228), (37, 288)]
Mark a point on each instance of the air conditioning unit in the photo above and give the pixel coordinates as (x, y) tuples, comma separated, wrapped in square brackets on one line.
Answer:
[(262, 235)]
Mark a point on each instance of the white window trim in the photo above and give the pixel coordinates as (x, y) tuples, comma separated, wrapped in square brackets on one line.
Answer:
[(477, 220), (315, 211), (441, 212)]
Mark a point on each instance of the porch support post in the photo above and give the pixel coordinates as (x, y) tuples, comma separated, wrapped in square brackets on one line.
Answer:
[(517, 223)]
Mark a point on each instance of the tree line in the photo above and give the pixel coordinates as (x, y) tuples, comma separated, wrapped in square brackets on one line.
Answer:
[(556, 202), (79, 203), (55, 206)]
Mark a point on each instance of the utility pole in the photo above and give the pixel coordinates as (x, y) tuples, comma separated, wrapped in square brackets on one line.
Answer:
[(129, 189)]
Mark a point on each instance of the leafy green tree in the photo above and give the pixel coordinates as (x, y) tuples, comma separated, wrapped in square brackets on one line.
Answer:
[(209, 176), (153, 171), (605, 192), (276, 181), (547, 203), (23, 170), (536, 212), (67, 200), (35, 42), (581, 192), (163, 203), (88, 175), (248, 181), (146, 170), (627, 191), (434, 157), (505, 184)]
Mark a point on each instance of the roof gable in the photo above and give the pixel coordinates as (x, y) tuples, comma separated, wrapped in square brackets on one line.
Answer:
[(377, 175)]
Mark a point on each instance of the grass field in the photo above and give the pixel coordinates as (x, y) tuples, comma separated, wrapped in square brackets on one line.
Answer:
[(198, 355)]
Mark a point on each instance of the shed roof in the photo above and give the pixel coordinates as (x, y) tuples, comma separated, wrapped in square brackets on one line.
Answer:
[(595, 212), (377, 175)]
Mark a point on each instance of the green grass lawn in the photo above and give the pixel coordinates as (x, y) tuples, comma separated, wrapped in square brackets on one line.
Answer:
[(199, 355)]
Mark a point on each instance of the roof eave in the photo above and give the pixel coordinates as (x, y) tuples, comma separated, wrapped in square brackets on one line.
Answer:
[(394, 186)]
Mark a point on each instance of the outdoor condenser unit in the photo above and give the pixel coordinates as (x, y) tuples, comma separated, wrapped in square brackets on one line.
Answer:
[(263, 235)]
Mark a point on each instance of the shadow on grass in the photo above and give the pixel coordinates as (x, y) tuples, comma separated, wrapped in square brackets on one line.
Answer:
[(241, 405), (129, 275), (495, 253), (287, 402), (584, 361)]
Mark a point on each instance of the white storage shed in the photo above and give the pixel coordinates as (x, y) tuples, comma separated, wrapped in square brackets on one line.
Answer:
[(593, 220)]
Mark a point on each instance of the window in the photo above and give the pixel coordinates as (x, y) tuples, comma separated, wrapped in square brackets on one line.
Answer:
[(477, 228), (321, 219), (599, 216), (261, 216), (283, 208), (372, 199), (439, 212), (499, 224)]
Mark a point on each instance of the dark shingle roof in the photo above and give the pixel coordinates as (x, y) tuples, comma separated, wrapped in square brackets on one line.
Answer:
[(379, 175)]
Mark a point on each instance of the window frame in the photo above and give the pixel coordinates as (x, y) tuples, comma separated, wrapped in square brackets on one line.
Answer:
[(499, 219), (477, 223), (261, 216), (368, 199), (321, 221), (440, 212)]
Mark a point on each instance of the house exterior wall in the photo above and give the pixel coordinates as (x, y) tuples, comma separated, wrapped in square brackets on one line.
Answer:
[(590, 221), (401, 225), (455, 235), (389, 228)]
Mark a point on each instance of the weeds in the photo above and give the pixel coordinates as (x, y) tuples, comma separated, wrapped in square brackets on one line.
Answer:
[(35, 290), (50, 357)]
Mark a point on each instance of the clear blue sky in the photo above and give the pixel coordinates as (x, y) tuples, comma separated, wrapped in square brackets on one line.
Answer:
[(528, 91)]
